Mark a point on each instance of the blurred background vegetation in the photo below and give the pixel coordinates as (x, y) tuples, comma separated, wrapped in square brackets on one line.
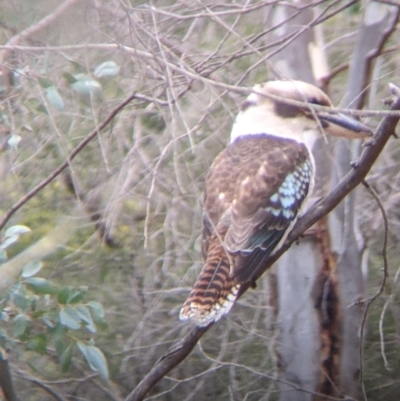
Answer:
[(103, 256)]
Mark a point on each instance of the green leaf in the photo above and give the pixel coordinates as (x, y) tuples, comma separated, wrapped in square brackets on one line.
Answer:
[(86, 87), (76, 295), (95, 359), (83, 348), (54, 98), (63, 295), (354, 9), (44, 82), (37, 343), (59, 344), (34, 105), (98, 360), (86, 317), (107, 69), (20, 323), (16, 230), (65, 358), (19, 296), (70, 318), (70, 78), (70, 295), (14, 141), (31, 268), (4, 316), (48, 321), (97, 309), (9, 241), (42, 109), (3, 334), (40, 285)]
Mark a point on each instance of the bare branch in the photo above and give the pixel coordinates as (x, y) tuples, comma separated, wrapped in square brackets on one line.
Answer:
[(382, 287), (384, 247)]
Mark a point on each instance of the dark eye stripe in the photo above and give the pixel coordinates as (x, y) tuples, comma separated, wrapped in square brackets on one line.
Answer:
[(286, 110)]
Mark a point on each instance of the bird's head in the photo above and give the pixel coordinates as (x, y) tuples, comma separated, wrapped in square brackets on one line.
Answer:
[(268, 111)]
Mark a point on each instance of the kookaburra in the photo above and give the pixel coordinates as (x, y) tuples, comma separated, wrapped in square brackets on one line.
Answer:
[(255, 188)]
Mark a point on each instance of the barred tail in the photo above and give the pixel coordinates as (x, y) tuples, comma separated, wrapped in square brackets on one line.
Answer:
[(214, 292)]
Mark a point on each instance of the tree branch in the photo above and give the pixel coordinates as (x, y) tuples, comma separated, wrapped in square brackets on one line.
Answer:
[(179, 351)]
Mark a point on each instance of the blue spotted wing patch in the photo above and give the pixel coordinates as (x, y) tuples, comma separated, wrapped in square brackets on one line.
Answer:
[(286, 201), (283, 207)]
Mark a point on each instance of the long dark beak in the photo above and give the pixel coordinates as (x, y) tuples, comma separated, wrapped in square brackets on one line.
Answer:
[(345, 126)]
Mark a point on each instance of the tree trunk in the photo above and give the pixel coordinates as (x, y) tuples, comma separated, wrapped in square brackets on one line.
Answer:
[(299, 271), (347, 242)]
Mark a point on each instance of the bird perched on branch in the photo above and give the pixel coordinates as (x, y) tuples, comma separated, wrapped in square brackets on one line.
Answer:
[(255, 188)]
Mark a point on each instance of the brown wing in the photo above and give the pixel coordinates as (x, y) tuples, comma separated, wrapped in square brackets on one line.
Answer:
[(254, 190)]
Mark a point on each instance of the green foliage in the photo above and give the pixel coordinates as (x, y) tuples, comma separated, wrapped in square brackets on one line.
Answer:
[(12, 235), (13, 141), (31, 268), (95, 359), (37, 314), (107, 69)]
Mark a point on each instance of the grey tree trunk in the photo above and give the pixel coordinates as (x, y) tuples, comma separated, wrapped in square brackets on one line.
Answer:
[(298, 271), (298, 321), (347, 243)]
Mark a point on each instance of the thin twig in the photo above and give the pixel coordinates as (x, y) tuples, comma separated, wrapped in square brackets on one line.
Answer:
[(384, 246), (369, 301), (381, 333)]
